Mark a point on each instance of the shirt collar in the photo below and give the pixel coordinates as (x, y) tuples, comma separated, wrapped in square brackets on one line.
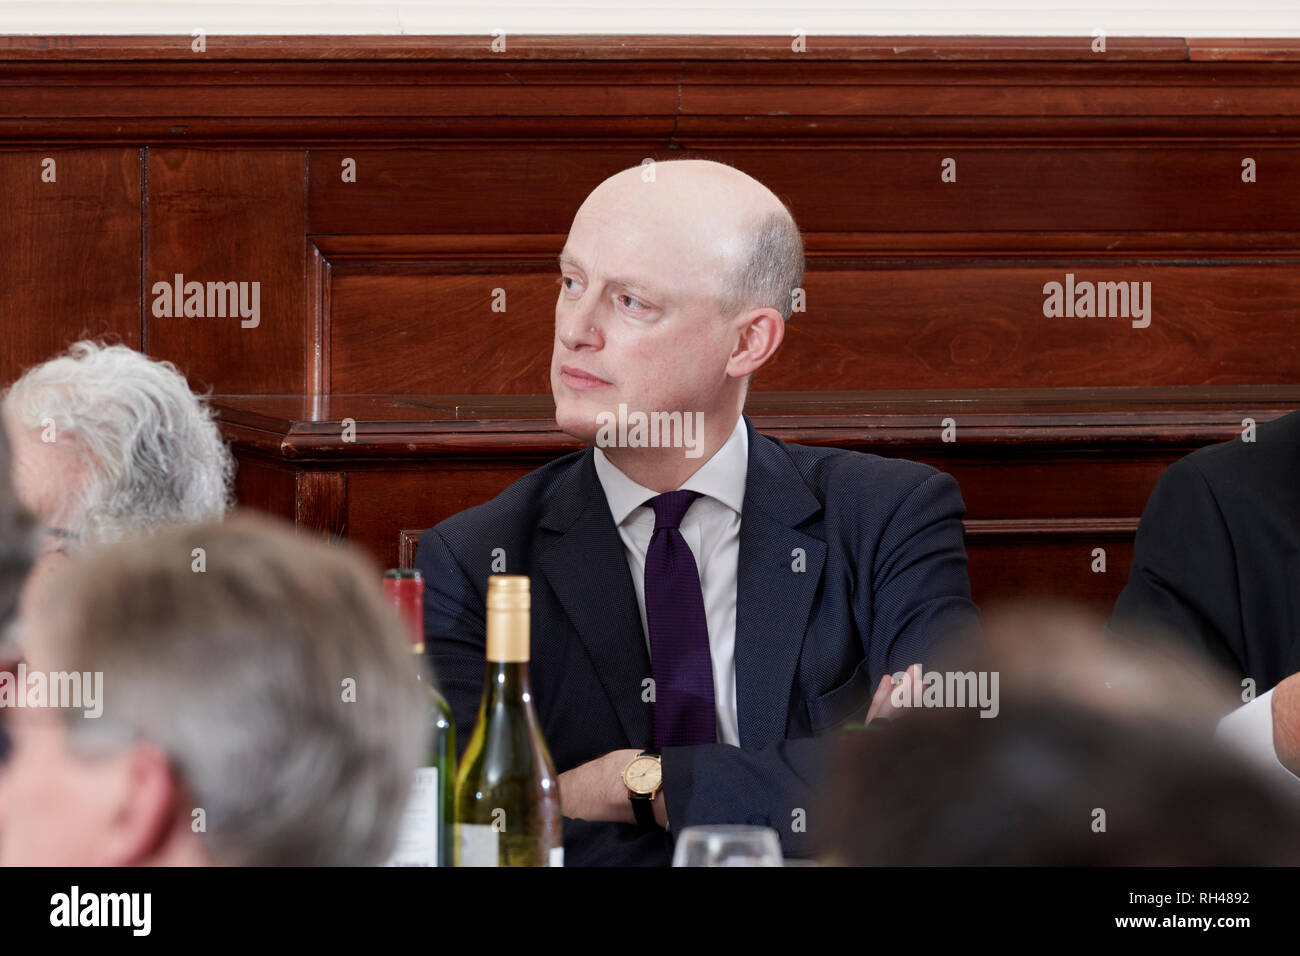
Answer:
[(722, 477)]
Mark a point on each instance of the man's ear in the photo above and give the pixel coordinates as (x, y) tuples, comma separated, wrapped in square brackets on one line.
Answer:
[(761, 334), (147, 794)]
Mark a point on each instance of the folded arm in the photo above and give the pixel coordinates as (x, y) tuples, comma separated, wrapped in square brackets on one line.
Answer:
[(920, 608)]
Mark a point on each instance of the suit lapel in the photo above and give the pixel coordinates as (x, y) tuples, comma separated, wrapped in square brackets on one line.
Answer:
[(773, 600), (586, 567)]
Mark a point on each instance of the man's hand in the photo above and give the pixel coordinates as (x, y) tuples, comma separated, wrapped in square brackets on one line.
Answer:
[(595, 791), (1286, 723), (881, 705)]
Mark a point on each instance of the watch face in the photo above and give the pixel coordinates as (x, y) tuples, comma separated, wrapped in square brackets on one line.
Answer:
[(643, 775)]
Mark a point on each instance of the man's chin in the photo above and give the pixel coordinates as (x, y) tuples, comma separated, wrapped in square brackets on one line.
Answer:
[(579, 423)]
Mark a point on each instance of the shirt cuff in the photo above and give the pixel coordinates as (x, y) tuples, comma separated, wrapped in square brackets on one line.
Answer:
[(1249, 730)]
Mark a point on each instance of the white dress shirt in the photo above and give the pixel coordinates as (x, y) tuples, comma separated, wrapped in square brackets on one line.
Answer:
[(711, 528), (1249, 729)]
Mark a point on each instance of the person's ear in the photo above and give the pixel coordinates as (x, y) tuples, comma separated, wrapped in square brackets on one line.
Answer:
[(761, 332), (145, 796)]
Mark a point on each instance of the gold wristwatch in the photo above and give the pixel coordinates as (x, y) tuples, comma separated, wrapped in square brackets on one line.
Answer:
[(643, 777)]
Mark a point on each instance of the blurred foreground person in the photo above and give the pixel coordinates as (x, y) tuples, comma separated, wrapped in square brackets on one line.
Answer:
[(1100, 752), (108, 443), (258, 707), (1051, 784), (1055, 650)]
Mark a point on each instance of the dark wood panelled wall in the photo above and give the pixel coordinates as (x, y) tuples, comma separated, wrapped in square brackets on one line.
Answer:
[(380, 190)]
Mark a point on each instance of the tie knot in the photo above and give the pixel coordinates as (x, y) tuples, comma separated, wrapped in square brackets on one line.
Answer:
[(670, 507)]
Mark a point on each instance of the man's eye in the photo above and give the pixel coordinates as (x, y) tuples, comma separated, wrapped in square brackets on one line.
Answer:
[(631, 303), (568, 282)]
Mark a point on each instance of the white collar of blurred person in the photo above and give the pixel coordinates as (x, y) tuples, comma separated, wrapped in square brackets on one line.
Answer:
[(722, 477)]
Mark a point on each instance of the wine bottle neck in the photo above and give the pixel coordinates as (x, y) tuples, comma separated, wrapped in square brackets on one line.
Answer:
[(508, 680), (507, 634)]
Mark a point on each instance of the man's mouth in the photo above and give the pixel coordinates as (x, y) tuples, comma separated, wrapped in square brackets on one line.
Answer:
[(576, 378)]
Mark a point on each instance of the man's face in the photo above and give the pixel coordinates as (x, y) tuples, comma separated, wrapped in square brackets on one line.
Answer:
[(56, 806), (637, 320)]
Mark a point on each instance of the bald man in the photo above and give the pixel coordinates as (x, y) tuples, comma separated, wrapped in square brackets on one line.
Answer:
[(708, 603)]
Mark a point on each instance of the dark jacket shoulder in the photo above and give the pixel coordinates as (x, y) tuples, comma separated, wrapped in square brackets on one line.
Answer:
[(1277, 441)]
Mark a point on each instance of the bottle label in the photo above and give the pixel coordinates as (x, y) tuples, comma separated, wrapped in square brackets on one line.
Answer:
[(557, 856), (417, 834), (478, 844)]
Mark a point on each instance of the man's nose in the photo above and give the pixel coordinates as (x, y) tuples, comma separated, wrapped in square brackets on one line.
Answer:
[(578, 326)]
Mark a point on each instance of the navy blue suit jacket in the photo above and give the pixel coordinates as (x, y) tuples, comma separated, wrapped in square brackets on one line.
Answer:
[(851, 566)]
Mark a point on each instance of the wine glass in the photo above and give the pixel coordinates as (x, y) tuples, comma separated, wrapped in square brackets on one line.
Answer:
[(728, 845)]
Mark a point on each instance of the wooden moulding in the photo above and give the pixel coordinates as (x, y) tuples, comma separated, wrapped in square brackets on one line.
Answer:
[(989, 421)]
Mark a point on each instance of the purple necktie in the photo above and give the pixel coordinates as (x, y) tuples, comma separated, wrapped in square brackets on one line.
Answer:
[(679, 631)]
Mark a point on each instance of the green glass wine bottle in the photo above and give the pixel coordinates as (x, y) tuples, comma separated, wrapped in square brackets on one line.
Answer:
[(507, 792), (426, 832)]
